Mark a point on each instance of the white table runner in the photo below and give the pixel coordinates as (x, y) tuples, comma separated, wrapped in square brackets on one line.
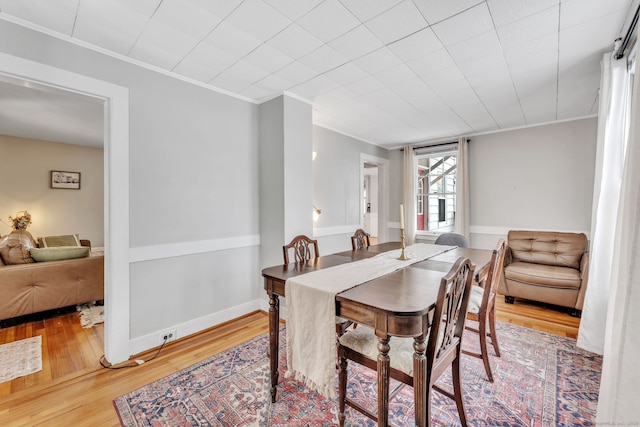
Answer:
[(311, 336)]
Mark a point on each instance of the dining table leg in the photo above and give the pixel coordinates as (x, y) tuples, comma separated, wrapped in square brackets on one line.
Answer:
[(420, 381), (274, 341), (383, 381)]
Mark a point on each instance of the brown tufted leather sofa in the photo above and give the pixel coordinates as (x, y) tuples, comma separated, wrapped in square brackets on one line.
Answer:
[(546, 266), (35, 287)]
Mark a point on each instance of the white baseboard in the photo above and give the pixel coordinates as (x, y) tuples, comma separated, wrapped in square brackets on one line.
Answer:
[(149, 341)]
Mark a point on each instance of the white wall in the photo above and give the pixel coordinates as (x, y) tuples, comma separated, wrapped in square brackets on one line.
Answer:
[(535, 178), (336, 186), (25, 172)]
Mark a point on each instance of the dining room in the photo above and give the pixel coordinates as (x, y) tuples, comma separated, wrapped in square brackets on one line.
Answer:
[(206, 185)]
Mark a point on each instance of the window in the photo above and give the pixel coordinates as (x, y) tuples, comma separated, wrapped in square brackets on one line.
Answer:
[(436, 191)]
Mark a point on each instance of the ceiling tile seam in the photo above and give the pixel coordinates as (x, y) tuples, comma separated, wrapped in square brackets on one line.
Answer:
[(120, 57), (421, 14), (207, 35), (144, 27), (422, 113), (444, 102), (451, 16), (436, 92), (271, 38), (309, 11), (319, 47), (465, 77), (373, 17), (447, 50), (384, 45), (75, 19), (513, 84)]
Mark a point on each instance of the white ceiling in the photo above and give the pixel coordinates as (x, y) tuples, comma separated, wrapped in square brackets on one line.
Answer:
[(388, 72)]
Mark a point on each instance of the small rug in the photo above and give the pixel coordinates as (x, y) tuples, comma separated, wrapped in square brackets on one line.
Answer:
[(90, 314), (540, 380), (20, 358)]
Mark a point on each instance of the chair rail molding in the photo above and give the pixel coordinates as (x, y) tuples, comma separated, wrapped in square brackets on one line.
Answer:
[(170, 250), (333, 231)]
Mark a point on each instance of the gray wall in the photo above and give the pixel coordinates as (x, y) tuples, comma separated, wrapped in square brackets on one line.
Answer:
[(336, 186), (193, 182), (25, 174), (285, 175), (537, 178)]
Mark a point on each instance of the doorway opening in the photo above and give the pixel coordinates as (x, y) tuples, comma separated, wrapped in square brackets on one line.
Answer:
[(374, 177), (370, 202), (116, 185)]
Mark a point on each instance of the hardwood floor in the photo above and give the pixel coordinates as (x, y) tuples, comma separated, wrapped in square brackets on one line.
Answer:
[(67, 348), (542, 317), (73, 389)]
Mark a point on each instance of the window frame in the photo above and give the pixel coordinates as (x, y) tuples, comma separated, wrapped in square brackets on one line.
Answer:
[(425, 196)]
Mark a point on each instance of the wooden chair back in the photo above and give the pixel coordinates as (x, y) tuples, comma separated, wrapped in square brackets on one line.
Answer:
[(360, 239), (302, 251), (445, 335), (493, 277), (483, 310), (442, 350)]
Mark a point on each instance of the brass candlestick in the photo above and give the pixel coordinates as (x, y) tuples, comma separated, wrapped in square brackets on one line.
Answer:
[(403, 256)]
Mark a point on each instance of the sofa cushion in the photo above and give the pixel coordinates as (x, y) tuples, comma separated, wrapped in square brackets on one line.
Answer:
[(59, 253), (543, 275), (547, 247), (56, 241), (15, 254)]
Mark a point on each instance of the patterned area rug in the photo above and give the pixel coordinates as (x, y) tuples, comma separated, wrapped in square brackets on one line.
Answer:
[(540, 380), (90, 314), (20, 358)]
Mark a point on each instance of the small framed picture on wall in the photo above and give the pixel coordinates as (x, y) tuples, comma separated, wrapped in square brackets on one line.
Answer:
[(63, 179)]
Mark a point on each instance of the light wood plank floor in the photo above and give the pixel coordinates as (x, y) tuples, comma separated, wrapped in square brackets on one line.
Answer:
[(73, 389)]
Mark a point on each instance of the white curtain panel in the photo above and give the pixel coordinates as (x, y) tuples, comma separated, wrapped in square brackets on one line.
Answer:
[(462, 189), (618, 398), (409, 194), (613, 124)]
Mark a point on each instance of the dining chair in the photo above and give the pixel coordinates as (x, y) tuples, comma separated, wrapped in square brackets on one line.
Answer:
[(482, 308), (360, 239), (442, 350), (302, 251), (452, 239)]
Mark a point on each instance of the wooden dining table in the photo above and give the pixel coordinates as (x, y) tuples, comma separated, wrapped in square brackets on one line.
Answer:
[(397, 304)]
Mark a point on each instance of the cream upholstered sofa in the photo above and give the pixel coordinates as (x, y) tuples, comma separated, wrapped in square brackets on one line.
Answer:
[(545, 266), (31, 287)]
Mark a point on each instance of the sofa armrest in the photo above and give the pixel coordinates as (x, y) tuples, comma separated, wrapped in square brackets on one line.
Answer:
[(85, 242), (584, 274)]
